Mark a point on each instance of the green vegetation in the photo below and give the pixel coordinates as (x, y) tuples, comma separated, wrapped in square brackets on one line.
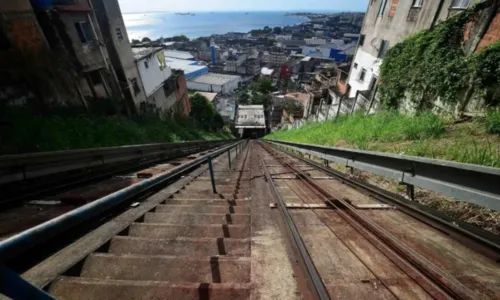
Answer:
[(203, 113), (261, 90), (23, 132), (434, 64), (493, 122), (421, 135)]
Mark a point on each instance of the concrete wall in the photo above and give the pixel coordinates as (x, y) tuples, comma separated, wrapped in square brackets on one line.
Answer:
[(152, 76), (88, 54), (18, 22), (225, 88), (117, 41), (398, 21)]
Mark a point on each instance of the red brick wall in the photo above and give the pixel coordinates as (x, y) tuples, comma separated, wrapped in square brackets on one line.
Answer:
[(24, 33), (492, 35), (182, 94)]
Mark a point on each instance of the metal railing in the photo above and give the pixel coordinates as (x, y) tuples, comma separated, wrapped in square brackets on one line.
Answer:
[(43, 232), (16, 287), (475, 184), (23, 167)]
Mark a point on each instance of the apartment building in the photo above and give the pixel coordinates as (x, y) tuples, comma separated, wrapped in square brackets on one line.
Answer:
[(388, 22)]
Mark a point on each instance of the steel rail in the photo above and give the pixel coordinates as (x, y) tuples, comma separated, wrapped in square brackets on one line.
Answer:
[(466, 182), (16, 245), (315, 278), (30, 166), (481, 240), (436, 282)]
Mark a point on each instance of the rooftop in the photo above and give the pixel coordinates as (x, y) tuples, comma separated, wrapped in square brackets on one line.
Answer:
[(178, 54), (300, 97), (142, 52), (191, 68), (210, 96), (214, 78), (266, 71)]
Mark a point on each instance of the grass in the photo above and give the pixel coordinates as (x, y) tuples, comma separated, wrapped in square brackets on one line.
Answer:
[(22, 132), (427, 135)]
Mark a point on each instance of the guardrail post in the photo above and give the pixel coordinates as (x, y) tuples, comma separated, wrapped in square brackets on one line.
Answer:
[(229, 158), (14, 286), (212, 178), (410, 191)]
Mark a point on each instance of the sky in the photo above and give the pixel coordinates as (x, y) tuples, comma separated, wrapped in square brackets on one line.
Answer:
[(128, 6)]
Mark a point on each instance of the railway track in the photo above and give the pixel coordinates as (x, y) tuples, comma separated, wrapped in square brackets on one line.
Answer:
[(260, 225), (45, 198)]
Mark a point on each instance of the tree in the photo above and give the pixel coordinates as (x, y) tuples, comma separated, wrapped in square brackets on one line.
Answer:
[(180, 38), (202, 111), (308, 35), (134, 42), (244, 98), (146, 40), (267, 29), (217, 122), (263, 86), (277, 30)]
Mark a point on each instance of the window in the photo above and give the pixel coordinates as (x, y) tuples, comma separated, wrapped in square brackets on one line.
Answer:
[(355, 65), (135, 85), (362, 39), (84, 31), (362, 75), (384, 46), (382, 8), (146, 64), (463, 4), (119, 34), (418, 3)]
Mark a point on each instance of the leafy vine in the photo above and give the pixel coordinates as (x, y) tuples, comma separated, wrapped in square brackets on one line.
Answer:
[(432, 65)]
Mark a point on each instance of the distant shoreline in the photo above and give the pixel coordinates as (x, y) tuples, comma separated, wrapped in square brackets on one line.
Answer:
[(156, 25)]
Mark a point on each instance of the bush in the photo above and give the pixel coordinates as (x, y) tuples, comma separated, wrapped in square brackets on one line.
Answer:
[(24, 132), (492, 121)]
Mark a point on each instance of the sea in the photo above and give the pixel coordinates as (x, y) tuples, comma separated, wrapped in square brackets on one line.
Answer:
[(166, 24)]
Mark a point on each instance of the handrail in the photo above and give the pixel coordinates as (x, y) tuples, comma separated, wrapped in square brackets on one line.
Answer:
[(28, 166), (27, 239), (467, 182)]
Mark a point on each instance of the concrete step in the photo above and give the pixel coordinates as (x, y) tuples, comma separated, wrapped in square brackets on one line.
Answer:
[(196, 219), (207, 202), (211, 209), (171, 231), (202, 247), (70, 288), (167, 268)]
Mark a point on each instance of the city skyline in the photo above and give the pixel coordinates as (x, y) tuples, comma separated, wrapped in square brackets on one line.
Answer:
[(132, 6)]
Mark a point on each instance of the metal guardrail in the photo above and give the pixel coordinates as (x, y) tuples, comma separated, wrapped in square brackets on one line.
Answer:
[(25, 240), (29, 166), (470, 183)]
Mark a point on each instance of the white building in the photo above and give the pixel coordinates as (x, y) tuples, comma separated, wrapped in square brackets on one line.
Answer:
[(283, 37), (191, 68), (277, 58), (315, 41), (214, 83), (154, 72), (250, 116), (179, 54)]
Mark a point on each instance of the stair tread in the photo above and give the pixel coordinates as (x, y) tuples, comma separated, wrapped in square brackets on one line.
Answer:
[(167, 268), (88, 289)]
